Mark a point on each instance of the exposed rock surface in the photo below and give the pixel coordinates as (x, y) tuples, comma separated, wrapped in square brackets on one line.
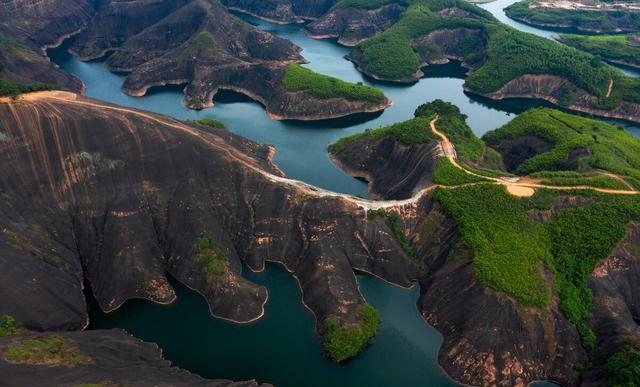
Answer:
[(113, 358), (352, 25), (561, 92), (616, 301), (119, 197), (393, 170), (489, 338), (27, 27), (282, 11), (199, 44)]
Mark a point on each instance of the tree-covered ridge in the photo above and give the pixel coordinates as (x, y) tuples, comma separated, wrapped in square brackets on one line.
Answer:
[(624, 366), (322, 86), (592, 19), (511, 252), (453, 124), (495, 55), (623, 49), (606, 147)]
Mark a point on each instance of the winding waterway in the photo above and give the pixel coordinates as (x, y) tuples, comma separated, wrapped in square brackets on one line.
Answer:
[(282, 347)]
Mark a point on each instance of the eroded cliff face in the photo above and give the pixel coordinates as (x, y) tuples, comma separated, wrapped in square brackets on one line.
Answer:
[(351, 25), (197, 43), (119, 197), (616, 302), (393, 170), (489, 338), (27, 27), (563, 93), (282, 11), (107, 357)]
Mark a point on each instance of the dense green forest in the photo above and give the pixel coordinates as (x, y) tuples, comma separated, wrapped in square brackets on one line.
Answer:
[(495, 55), (322, 86), (608, 147), (600, 21), (510, 250), (612, 48)]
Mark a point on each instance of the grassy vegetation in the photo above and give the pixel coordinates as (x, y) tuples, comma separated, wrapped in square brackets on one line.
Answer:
[(614, 48), (410, 132), (345, 341), (572, 178), (209, 254), (13, 89), (623, 368), (453, 124), (609, 148), (45, 350), (510, 250), (591, 20), (321, 86), (447, 174), (9, 326), (210, 122)]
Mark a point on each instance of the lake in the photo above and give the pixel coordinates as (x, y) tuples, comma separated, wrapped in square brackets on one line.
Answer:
[(282, 347)]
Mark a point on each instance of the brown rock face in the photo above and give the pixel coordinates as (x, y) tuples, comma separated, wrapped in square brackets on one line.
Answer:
[(489, 338), (199, 44), (393, 170), (27, 27), (119, 197), (111, 357), (282, 11), (562, 93), (616, 301), (351, 26)]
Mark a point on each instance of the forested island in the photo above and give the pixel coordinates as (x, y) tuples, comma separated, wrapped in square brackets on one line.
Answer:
[(524, 242), (600, 16), (622, 50)]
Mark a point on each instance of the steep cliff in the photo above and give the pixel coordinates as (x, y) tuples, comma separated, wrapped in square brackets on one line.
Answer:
[(561, 92), (118, 197), (353, 25), (28, 27), (393, 170), (282, 11), (616, 301), (93, 358), (197, 43)]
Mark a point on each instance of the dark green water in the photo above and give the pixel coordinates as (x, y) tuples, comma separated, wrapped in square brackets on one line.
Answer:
[(282, 348)]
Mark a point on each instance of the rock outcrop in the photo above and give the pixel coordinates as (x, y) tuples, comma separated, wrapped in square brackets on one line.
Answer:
[(490, 339), (197, 43), (282, 11), (97, 358), (28, 27), (561, 92), (119, 197), (393, 170), (353, 25), (616, 302)]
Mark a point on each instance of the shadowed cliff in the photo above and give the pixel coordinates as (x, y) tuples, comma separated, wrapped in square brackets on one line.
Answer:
[(119, 197)]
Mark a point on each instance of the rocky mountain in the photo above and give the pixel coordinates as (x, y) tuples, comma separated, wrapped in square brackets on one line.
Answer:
[(282, 11), (93, 358), (99, 193), (28, 27)]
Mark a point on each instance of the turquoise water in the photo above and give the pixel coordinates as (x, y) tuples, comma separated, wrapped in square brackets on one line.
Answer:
[(282, 348)]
